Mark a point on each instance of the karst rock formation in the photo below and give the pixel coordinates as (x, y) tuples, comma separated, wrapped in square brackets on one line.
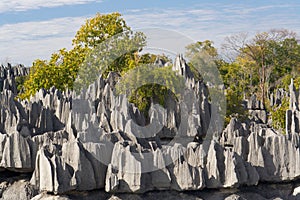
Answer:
[(98, 140)]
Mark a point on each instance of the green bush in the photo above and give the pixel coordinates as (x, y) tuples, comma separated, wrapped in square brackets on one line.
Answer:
[(234, 107), (149, 83), (278, 115)]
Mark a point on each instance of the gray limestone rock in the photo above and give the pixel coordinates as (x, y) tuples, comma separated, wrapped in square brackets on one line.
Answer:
[(18, 190), (74, 167), (296, 191), (259, 115), (125, 171), (52, 174), (234, 197), (3, 138), (187, 172), (293, 96), (16, 154), (225, 168), (182, 68), (98, 140), (234, 130), (99, 155), (275, 156), (74, 155), (45, 196)]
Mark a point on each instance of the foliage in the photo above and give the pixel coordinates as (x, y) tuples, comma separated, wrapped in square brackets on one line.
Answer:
[(203, 57), (258, 65), (150, 93), (118, 54), (199, 46), (148, 84), (278, 115), (98, 29), (266, 58), (104, 43), (236, 85), (235, 106), (38, 78), (20, 80), (62, 69)]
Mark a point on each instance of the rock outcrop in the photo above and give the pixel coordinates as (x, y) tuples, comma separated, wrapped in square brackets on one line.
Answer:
[(98, 140)]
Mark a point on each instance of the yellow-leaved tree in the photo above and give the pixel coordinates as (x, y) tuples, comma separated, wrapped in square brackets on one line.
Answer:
[(62, 68)]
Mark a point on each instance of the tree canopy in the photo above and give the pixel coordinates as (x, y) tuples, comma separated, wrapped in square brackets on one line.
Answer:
[(260, 64), (103, 44), (62, 69), (251, 64), (266, 58)]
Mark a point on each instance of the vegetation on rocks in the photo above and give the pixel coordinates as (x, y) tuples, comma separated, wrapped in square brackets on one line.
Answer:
[(103, 44), (97, 140), (278, 115), (62, 69), (248, 65), (254, 65)]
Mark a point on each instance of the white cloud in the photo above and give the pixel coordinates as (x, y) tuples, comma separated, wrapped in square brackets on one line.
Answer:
[(22, 5), (215, 23), (25, 42), (242, 10)]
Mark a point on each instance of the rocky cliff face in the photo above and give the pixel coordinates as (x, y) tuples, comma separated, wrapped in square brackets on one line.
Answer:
[(98, 140)]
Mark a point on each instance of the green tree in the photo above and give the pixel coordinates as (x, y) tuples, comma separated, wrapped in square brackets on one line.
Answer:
[(205, 62), (236, 83), (268, 55), (120, 53), (104, 44), (149, 83), (278, 114), (285, 61), (62, 69), (203, 59), (199, 46), (98, 29), (258, 65)]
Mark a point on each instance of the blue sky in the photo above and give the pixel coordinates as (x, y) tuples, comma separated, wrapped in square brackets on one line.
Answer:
[(31, 29)]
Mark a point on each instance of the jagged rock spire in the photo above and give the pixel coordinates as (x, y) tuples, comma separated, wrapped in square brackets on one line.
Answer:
[(182, 68), (98, 140)]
